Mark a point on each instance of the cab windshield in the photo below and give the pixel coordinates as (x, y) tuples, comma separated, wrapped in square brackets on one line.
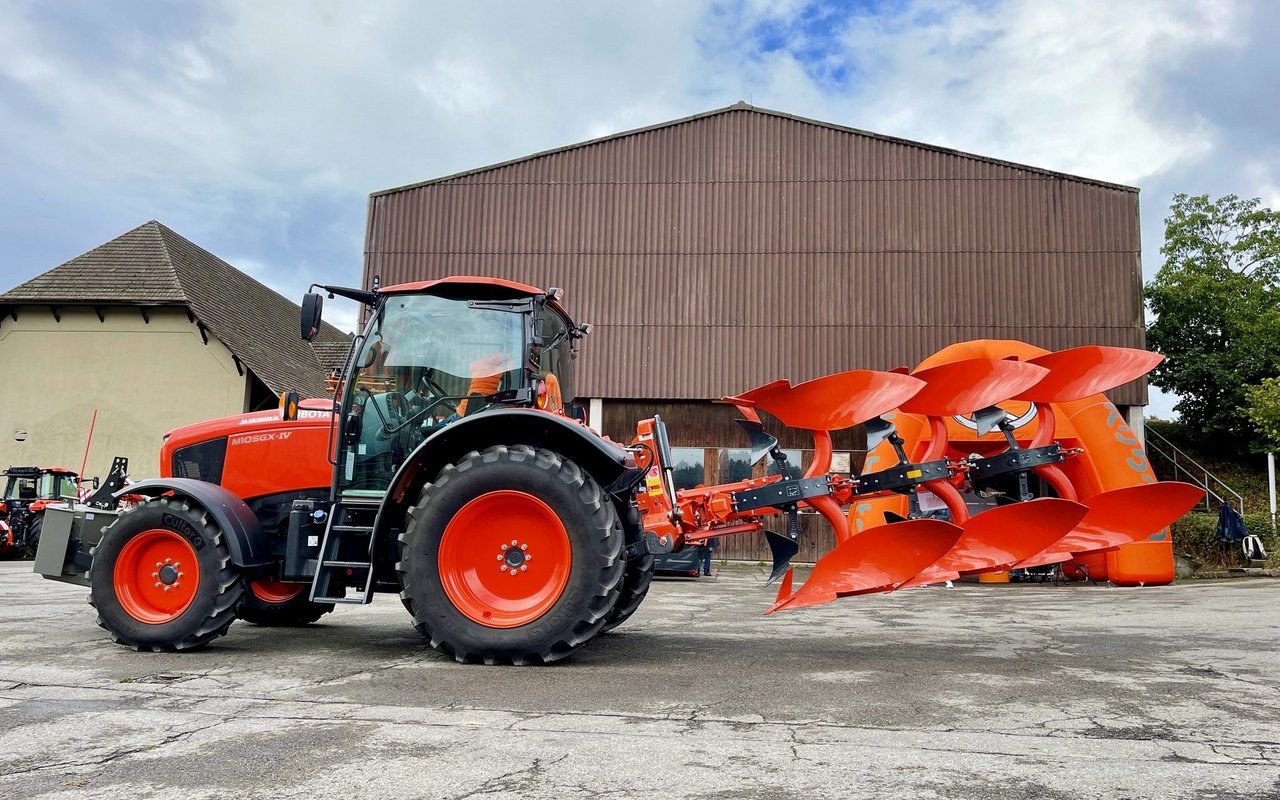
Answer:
[(46, 486), (425, 361)]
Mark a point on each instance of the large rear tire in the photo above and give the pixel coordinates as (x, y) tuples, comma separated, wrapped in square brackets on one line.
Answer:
[(281, 605), (638, 574), (162, 578), (513, 555)]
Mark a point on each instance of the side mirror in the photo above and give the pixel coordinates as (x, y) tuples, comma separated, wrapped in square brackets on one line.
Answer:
[(312, 305)]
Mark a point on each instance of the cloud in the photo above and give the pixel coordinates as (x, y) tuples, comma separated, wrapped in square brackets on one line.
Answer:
[(262, 127)]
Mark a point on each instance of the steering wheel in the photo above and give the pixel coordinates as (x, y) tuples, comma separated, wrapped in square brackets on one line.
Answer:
[(393, 418), (435, 393), (397, 411)]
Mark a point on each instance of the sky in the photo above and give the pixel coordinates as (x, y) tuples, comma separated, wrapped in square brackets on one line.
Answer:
[(258, 130)]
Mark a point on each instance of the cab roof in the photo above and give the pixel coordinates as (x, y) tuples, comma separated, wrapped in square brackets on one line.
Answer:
[(457, 285), (423, 287)]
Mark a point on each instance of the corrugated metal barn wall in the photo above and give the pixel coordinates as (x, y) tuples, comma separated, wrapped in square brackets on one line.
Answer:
[(717, 253), (720, 252)]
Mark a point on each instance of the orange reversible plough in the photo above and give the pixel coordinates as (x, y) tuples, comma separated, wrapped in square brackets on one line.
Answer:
[(991, 455)]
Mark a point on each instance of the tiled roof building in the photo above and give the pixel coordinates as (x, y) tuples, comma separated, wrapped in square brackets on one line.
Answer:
[(152, 266), (143, 334)]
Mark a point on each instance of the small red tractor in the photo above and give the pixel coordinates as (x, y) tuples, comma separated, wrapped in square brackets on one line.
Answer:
[(27, 490), (450, 469)]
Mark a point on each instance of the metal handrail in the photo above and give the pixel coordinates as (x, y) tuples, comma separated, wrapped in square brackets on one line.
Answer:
[(1202, 477)]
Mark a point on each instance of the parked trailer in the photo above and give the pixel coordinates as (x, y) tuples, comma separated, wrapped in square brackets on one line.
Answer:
[(451, 469)]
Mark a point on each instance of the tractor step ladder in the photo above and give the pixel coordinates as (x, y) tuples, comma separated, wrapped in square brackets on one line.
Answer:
[(332, 552)]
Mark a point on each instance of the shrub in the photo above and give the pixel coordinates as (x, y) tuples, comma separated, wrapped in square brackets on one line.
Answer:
[(1196, 535)]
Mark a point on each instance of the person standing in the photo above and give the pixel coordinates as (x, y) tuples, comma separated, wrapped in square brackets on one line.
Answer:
[(710, 546)]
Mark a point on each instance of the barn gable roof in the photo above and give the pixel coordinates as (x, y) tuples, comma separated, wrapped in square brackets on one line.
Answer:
[(152, 265), (740, 107)]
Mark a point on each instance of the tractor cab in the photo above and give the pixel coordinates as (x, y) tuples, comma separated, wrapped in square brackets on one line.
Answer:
[(27, 491), (26, 485), (435, 352)]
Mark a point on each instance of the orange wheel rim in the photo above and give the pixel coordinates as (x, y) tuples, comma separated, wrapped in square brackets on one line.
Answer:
[(505, 559), (157, 576), (275, 591)]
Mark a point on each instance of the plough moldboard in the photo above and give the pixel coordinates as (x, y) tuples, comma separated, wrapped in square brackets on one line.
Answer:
[(990, 455)]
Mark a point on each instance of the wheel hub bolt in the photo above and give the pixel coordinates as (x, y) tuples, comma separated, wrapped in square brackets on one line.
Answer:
[(513, 557)]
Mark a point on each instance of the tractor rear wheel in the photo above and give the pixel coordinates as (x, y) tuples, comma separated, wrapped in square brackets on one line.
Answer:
[(512, 555), (162, 578), (284, 605), (638, 575)]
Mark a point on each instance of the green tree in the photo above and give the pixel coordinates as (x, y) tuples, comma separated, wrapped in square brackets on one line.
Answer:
[(1262, 404), (1216, 312)]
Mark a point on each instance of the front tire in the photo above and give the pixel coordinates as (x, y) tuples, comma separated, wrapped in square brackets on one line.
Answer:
[(33, 534), (281, 605), (512, 555), (162, 578)]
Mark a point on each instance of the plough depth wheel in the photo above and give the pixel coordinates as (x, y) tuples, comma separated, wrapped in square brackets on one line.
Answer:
[(513, 555)]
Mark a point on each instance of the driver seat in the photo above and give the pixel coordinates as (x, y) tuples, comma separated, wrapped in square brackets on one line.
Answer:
[(486, 378)]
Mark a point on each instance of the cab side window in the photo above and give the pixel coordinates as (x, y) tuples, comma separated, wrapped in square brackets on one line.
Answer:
[(556, 359)]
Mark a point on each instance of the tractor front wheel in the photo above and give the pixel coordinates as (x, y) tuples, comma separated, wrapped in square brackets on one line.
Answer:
[(512, 555), (162, 578), (34, 527), (277, 604)]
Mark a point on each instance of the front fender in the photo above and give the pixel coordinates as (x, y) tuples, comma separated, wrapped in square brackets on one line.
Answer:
[(245, 539)]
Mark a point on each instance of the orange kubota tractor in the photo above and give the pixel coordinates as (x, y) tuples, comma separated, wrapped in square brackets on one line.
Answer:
[(27, 491), (447, 470)]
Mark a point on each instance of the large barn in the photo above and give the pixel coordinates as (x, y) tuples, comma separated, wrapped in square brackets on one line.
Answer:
[(720, 251)]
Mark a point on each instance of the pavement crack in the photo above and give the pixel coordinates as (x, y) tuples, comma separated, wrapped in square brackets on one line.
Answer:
[(171, 736), (515, 782)]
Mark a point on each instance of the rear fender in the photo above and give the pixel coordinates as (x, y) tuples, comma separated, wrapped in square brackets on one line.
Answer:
[(607, 463), (245, 539)]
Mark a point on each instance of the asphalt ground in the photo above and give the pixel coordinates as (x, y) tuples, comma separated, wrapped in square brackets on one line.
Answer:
[(1035, 691)]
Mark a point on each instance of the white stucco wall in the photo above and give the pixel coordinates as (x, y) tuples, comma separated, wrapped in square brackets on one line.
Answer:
[(143, 378)]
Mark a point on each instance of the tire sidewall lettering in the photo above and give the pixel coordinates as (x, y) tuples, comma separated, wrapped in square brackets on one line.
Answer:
[(179, 525)]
